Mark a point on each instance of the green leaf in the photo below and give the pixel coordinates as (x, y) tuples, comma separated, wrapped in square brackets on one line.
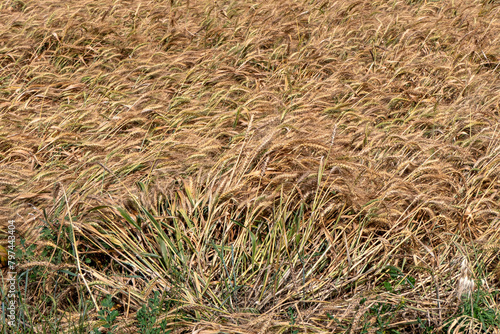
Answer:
[(127, 217)]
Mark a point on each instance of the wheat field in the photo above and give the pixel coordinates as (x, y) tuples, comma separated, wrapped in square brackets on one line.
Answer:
[(252, 166)]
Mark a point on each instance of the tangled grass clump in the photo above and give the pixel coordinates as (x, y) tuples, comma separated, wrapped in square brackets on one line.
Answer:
[(250, 166)]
